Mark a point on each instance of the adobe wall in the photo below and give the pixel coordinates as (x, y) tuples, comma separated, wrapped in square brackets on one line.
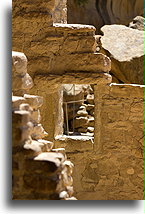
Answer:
[(53, 49), (111, 168)]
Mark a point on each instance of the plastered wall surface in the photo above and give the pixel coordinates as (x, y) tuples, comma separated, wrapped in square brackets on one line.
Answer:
[(111, 168)]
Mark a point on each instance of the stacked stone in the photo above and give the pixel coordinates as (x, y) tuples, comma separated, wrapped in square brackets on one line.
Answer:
[(83, 111), (39, 171)]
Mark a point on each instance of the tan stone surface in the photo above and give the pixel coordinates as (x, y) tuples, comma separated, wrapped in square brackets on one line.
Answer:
[(38, 171), (60, 11), (71, 143), (125, 46), (137, 23)]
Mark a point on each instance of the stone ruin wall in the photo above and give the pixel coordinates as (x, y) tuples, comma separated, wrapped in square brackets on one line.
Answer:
[(39, 171), (78, 108), (111, 166)]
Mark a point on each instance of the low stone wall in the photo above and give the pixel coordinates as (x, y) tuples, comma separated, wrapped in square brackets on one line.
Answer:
[(39, 171), (111, 167)]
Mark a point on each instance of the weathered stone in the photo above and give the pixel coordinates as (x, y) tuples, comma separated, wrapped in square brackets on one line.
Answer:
[(35, 116), (137, 23), (34, 101), (70, 190), (125, 48), (72, 93), (34, 146), (16, 101), (90, 99), (89, 107), (19, 62), (47, 145), (63, 194), (38, 132), (90, 129), (82, 130), (59, 150), (71, 143), (91, 121), (22, 82), (25, 107), (91, 112), (20, 128), (54, 157), (29, 17), (81, 122), (82, 113), (60, 11)]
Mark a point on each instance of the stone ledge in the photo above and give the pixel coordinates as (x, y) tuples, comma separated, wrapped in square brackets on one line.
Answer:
[(74, 27), (72, 78), (74, 143)]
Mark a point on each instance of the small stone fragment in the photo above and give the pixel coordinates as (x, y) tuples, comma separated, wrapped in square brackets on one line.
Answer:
[(90, 99)]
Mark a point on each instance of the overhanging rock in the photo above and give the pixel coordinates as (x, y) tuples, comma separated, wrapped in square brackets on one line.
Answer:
[(125, 47)]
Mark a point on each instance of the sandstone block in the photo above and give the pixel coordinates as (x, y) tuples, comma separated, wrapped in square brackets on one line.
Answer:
[(34, 101), (22, 82), (20, 128), (20, 62), (90, 99), (91, 121), (82, 113), (124, 46), (35, 116), (47, 145), (82, 130), (89, 107), (16, 101), (39, 146), (137, 23), (38, 132), (60, 150), (71, 143), (92, 112), (40, 182), (63, 195), (81, 122), (70, 190), (56, 158), (90, 129)]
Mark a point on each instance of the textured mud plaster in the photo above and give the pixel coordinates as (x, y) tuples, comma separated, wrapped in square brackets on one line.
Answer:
[(112, 168)]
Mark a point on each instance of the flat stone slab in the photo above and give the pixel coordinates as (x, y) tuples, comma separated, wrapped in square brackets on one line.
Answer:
[(75, 143), (125, 47)]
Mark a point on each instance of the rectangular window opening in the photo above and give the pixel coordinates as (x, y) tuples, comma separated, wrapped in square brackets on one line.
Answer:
[(78, 109)]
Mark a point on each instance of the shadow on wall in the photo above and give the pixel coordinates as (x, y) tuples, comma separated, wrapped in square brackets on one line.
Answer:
[(101, 12)]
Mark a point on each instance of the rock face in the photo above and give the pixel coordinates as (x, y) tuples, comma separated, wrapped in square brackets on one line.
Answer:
[(137, 23), (125, 47), (101, 12)]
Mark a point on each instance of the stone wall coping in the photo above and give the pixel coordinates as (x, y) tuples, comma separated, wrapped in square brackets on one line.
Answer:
[(124, 85), (74, 27), (74, 138)]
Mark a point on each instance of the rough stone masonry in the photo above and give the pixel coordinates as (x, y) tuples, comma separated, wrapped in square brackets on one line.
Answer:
[(110, 165)]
